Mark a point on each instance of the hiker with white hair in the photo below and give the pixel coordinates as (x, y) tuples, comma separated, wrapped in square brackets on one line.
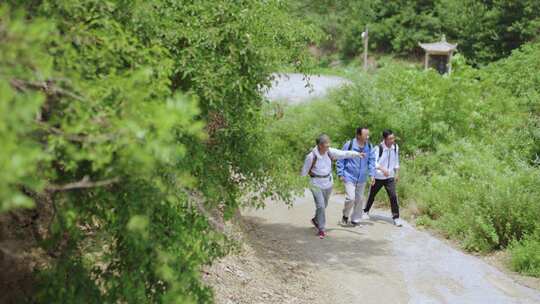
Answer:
[(318, 165)]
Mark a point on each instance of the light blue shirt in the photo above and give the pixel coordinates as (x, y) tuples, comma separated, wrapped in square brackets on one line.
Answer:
[(356, 170)]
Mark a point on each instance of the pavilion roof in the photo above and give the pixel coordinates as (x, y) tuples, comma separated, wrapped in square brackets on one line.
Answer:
[(441, 47)]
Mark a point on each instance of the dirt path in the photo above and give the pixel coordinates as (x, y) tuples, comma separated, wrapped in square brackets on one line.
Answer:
[(378, 262)]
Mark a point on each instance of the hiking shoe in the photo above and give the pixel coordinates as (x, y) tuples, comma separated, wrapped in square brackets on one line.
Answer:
[(398, 222), (314, 222), (322, 234), (344, 220), (365, 216)]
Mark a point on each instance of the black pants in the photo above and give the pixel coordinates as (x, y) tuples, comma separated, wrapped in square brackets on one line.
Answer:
[(390, 187)]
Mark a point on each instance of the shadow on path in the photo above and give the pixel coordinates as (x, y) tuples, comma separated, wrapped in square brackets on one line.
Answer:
[(342, 249)]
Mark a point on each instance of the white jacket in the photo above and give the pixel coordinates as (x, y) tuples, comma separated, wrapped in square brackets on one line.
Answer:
[(388, 160), (323, 166)]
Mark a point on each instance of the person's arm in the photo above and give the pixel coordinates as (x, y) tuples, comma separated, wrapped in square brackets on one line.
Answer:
[(340, 154), (376, 156), (307, 164), (340, 164), (371, 164), (396, 166), (378, 165)]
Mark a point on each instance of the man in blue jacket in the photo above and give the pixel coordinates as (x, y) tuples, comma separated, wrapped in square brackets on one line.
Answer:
[(354, 174)]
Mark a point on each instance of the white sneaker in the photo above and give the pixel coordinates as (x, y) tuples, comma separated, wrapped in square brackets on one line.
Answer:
[(398, 222), (365, 216)]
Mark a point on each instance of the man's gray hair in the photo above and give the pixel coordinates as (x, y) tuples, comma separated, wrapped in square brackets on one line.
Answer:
[(322, 139)]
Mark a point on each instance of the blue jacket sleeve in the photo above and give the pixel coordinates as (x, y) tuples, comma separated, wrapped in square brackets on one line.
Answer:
[(340, 163), (372, 160)]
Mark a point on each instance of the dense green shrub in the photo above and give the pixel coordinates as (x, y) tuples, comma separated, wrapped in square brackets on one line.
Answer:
[(126, 124), (476, 196), (21, 154), (526, 256), (422, 107)]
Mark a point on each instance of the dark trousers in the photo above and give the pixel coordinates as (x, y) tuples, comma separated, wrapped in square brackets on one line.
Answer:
[(390, 187)]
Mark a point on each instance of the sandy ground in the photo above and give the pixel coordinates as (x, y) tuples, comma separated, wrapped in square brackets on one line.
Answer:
[(262, 273)]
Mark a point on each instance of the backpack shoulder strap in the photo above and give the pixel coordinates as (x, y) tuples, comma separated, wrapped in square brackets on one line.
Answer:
[(370, 146), (350, 145), (313, 163), (331, 156), (380, 150)]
